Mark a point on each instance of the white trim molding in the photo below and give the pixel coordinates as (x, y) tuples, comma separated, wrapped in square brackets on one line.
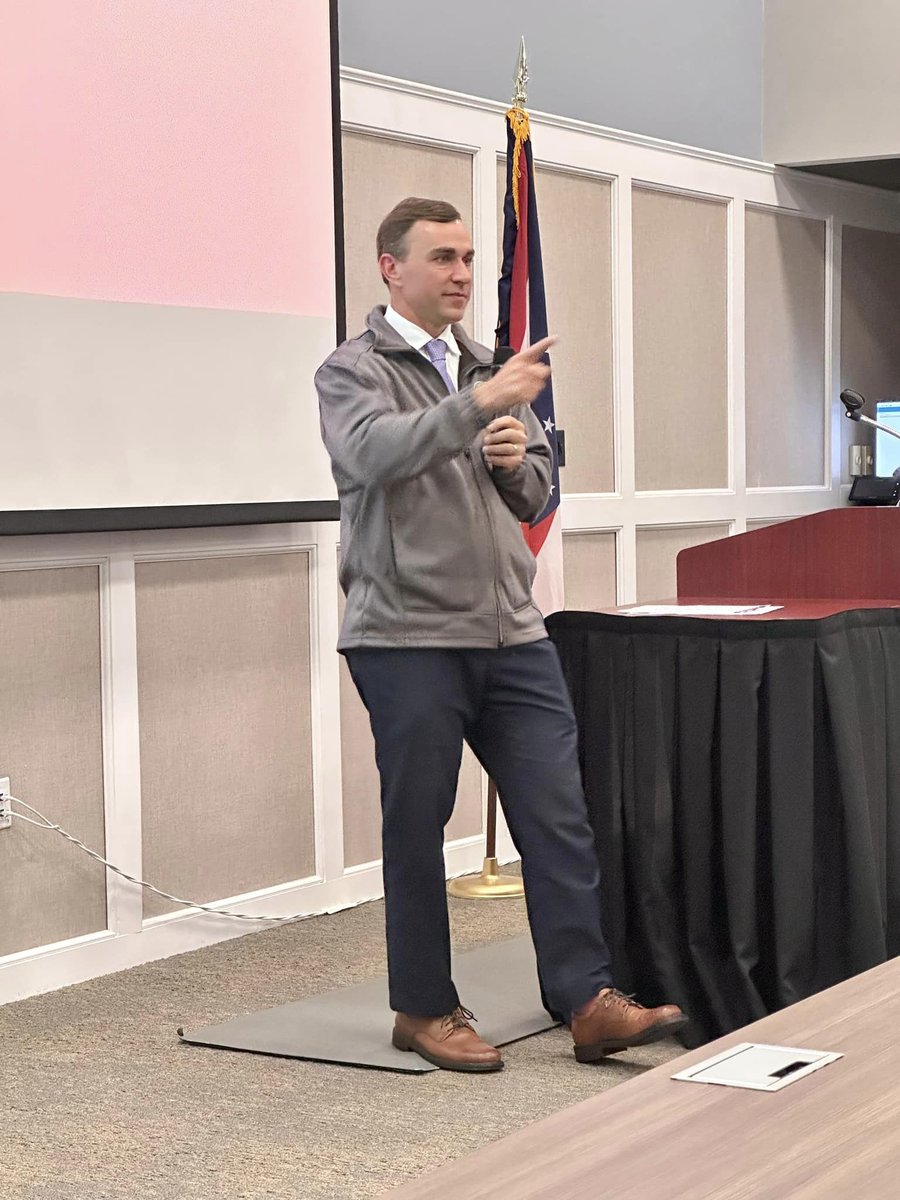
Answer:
[(399, 110)]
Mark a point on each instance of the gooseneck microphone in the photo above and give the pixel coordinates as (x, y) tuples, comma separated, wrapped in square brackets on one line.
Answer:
[(852, 402)]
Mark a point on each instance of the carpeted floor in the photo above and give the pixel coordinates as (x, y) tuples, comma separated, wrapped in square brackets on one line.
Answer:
[(99, 1099)]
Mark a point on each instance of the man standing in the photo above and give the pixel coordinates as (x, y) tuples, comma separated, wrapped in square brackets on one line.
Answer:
[(437, 461)]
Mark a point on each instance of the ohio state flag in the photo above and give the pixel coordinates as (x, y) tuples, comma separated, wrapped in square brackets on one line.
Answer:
[(523, 320)]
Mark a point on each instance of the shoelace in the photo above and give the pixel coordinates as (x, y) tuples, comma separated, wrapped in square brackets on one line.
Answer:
[(614, 996), (460, 1018)]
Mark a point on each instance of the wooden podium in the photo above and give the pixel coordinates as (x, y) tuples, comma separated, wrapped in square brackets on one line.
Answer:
[(836, 554)]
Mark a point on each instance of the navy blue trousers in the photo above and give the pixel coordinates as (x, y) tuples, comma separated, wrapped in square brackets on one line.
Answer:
[(512, 707)]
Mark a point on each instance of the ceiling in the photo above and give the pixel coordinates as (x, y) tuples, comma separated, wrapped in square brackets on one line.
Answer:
[(876, 172)]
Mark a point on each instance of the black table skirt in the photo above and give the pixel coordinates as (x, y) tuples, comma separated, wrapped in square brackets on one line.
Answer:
[(743, 783)]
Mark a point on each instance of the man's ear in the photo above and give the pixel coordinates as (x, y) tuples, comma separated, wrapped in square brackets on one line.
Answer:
[(388, 266)]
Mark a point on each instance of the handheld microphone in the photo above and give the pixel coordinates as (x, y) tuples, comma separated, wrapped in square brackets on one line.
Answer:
[(502, 354)]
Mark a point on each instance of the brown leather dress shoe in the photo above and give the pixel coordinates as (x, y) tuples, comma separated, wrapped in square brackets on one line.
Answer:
[(614, 1021), (449, 1042)]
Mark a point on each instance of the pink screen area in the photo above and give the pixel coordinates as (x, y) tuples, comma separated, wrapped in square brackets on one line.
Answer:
[(168, 152)]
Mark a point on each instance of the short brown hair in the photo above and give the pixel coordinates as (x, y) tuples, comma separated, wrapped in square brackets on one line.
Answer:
[(396, 225)]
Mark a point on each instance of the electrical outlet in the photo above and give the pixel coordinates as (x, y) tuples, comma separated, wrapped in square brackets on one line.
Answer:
[(5, 804)]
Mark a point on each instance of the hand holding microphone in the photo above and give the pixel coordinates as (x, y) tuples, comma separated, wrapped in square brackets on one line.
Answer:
[(504, 443)]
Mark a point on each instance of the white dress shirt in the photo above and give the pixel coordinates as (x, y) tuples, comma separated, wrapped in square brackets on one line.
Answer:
[(417, 338)]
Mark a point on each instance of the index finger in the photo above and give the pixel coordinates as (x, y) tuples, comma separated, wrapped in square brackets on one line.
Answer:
[(535, 350)]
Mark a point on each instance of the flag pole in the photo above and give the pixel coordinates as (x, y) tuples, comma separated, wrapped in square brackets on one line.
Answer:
[(490, 884)]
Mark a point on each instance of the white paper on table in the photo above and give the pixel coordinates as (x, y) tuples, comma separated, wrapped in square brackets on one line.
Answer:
[(699, 610)]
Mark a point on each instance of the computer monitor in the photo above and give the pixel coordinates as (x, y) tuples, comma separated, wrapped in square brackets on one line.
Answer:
[(887, 448)]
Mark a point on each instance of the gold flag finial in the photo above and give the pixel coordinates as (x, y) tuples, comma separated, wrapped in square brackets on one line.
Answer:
[(518, 121), (520, 95)]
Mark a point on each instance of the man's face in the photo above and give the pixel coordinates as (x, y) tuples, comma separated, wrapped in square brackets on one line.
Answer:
[(432, 285)]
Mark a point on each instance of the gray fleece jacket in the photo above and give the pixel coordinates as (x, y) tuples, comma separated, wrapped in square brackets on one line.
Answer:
[(431, 549)]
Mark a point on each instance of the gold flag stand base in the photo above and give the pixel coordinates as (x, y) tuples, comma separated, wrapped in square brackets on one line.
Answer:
[(489, 884)]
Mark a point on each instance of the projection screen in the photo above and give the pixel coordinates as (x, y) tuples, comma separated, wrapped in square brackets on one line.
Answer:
[(167, 251)]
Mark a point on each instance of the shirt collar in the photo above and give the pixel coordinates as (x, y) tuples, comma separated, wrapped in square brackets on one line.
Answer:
[(416, 336), (387, 340)]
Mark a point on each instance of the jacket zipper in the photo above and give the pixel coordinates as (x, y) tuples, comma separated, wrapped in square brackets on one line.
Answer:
[(463, 381), (490, 523)]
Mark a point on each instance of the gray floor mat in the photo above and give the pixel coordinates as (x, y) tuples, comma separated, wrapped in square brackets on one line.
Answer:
[(353, 1026)]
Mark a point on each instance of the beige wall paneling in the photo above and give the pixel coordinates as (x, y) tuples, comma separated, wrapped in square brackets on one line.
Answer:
[(870, 321), (680, 256), (785, 348), (657, 551), (52, 750), (751, 525), (361, 790), (576, 245), (223, 647), (589, 566), (379, 172)]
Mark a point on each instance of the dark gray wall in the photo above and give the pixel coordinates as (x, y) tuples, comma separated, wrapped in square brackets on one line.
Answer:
[(689, 71)]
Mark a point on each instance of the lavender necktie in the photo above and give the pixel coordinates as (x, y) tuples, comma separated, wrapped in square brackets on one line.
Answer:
[(436, 350)]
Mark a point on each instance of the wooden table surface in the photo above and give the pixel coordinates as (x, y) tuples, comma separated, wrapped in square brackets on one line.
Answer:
[(834, 1135)]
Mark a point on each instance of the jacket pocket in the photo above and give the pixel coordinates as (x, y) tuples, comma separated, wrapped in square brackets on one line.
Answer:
[(517, 564), (442, 543)]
